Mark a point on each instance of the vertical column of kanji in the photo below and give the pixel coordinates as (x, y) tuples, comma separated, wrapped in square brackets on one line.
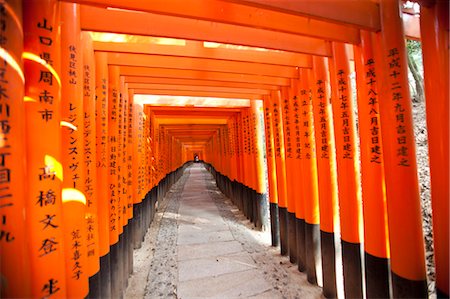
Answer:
[(402, 188), (15, 261), (137, 139), (308, 167), (434, 24), (130, 152), (128, 177), (298, 176), (261, 187), (122, 179), (271, 171), (252, 147), (237, 142), (72, 128), (102, 163), (232, 161), (120, 166), (376, 247), (90, 158), (349, 180), (151, 134), (326, 169), (247, 199), (113, 191), (289, 146), (280, 168), (244, 144), (44, 170)]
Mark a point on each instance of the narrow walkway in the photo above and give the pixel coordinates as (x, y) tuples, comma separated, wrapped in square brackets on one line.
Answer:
[(200, 246)]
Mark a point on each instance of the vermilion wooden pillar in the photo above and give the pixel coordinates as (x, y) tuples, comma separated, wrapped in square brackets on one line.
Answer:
[(15, 259), (308, 167), (326, 170), (90, 161), (291, 175), (271, 172), (43, 152), (348, 172), (376, 242), (280, 168), (402, 189), (73, 197)]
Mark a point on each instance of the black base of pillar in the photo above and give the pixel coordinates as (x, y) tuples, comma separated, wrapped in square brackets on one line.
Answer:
[(406, 288), (105, 276), (328, 264), (125, 242), (137, 226), (312, 250), (284, 243), (292, 237), (377, 276), (130, 248), (262, 219), (274, 224), (95, 286), (116, 274), (300, 230), (351, 264)]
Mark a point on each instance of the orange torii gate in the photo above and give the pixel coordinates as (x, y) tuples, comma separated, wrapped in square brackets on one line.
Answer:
[(94, 167)]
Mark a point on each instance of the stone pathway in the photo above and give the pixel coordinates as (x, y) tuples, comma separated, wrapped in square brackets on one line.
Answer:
[(205, 249)]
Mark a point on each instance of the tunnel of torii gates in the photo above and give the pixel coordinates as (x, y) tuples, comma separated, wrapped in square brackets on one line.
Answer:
[(103, 103)]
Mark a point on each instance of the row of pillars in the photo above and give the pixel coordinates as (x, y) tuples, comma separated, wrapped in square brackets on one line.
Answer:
[(340, 203), (337, 204), (82, 164)]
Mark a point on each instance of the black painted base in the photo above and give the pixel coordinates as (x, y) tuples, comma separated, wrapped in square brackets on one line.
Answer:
[(300, 231), (105, 276), (406, 288), (351, 264), (377, 276), (284, 243), (274, 224), (292, 236), (116, 275), (328, 251), (95, 286), (312, 250), (440, 294), (262, 218)]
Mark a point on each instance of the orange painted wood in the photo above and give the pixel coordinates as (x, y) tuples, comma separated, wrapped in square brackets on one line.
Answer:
[(325, 148), (98, 19), (196, 49), (308, 164), (361, 13), (43, 151), (201, 75), (376, 240), (402, 190), (113, 148), (72, 112), (90, 154), (270, 151), (240, 14), (15, 260), (280, 158), (102, 141), (213, 65), (348, 172)]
